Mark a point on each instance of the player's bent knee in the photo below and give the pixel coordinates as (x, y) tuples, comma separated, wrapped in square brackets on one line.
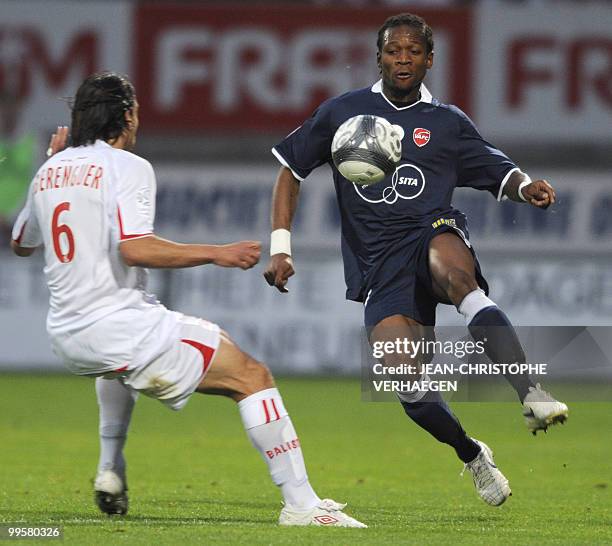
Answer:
[(257, 377)]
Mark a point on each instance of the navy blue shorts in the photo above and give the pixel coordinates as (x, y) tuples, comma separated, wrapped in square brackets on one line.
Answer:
[(403, 284)]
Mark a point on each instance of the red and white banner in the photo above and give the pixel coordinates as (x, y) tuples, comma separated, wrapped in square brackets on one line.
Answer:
[(544, 72), (258, 68), (48, 48), (253, 68)]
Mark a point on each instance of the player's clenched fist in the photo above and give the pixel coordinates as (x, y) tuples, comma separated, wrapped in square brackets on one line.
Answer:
[(279, 269), (539, 194), (244, 254)]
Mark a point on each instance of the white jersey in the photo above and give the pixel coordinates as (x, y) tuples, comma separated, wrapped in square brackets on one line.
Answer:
[(82, 203)]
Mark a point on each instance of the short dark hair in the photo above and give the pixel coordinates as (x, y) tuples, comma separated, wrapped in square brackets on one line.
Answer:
[(408, 19), (99, 107)]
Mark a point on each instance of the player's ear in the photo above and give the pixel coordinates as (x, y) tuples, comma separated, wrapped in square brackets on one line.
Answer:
[(429, 62), (131, 119), (378, 62)]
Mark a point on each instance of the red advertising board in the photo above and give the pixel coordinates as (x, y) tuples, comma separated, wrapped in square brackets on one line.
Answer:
[(265, 68)]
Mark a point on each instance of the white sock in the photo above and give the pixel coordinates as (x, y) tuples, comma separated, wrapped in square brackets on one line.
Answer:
[(116, 402), (473, 303), (271, 432)]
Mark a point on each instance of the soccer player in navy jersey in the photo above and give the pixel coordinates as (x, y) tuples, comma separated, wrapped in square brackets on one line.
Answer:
[(405, 248)]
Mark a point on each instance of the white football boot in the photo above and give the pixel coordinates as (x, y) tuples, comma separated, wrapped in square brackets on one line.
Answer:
[(491, 485), (110, 493), (327, 513), (541, 410)]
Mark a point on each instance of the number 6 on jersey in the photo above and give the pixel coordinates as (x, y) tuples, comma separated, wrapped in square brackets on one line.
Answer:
[(57, 229)]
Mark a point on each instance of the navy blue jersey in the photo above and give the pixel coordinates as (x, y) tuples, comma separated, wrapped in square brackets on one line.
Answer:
[(441, 150)]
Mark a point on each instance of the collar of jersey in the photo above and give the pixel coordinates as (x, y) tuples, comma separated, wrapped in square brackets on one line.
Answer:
[(425, 95)]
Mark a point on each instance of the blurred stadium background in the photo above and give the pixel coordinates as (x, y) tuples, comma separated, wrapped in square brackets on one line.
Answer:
[(219, 83)]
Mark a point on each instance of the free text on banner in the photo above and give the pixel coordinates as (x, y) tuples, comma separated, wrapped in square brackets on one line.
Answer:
[(267, 67)]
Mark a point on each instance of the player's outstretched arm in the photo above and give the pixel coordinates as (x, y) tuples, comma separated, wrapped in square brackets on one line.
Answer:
[(284, 205), (538, 193), (155, 252)]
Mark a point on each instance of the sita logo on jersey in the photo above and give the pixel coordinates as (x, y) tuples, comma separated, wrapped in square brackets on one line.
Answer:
[(407, 182), (421, 136)]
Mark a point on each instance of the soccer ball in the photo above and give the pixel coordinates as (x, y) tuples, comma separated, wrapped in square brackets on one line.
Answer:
[(367, 148)]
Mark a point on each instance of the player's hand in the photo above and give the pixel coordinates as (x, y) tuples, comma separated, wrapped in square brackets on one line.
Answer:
[(244, 254), (280, 268), (539, 194), (58, 141)]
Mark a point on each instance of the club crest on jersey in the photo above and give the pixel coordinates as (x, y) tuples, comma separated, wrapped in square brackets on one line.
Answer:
[(421, 136)]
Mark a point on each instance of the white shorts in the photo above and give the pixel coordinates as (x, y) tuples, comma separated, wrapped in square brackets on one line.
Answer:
[(174, 376)]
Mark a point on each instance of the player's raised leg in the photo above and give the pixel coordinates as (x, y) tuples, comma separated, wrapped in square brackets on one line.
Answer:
[(268, 425), (116, 402), (454, 278), (429, 410)]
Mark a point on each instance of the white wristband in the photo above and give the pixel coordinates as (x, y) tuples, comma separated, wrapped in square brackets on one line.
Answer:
[(524, 183), (280, 242)]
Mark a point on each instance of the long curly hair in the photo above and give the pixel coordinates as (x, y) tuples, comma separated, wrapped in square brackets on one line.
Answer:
[(99, 107)]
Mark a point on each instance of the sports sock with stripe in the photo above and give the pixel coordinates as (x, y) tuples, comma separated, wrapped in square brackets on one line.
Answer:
[(271, 432)]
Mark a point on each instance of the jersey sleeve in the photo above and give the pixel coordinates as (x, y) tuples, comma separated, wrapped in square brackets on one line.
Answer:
[(481, 165), (309, 146), (26, 230), (136, 200)]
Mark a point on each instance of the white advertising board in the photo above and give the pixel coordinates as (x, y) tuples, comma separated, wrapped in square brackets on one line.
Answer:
[(223, 202), (541, 274)]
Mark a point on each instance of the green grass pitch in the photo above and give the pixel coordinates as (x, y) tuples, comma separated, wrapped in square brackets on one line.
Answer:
[(194, 477)]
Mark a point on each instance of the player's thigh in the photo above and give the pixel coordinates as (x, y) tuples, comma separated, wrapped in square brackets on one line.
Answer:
[(235, 373), (452, 267)]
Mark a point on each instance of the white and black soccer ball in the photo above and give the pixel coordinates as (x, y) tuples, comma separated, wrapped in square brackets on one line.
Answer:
[(367, 148)]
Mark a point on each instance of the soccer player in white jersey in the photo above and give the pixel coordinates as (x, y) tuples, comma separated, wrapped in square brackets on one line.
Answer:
[(92, 207)]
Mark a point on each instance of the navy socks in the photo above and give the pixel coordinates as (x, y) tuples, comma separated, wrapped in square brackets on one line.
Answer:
[(433, 414), (502, 344)]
